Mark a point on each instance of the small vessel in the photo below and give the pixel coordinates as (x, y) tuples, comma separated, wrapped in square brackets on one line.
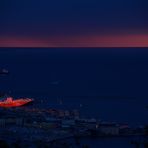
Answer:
[(9, 102), (4, 71)]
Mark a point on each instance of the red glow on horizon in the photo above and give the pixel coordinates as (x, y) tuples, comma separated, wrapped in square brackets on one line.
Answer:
[(77, 41)]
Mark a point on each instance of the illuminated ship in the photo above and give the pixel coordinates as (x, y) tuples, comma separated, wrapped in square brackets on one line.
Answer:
[(9, 102)]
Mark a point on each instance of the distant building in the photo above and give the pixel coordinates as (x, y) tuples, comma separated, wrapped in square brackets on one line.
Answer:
[(61, 114), (109, 129), (68, 123), (11, 121), (2, 122), (87, 123), (76, 114), (67, 113)]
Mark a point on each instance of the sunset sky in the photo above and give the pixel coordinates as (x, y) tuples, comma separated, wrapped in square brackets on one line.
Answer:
[(75, 23)]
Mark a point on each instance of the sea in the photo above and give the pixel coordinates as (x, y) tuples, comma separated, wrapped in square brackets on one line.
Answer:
[(109, 84)]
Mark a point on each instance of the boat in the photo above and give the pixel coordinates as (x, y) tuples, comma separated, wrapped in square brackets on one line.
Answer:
[(9, 102), (4, 72)]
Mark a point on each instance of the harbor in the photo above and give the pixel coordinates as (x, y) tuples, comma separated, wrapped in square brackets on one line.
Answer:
[(78, 106), (32, 125)]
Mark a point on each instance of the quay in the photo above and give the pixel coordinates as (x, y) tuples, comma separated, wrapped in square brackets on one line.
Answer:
[(47, 125)]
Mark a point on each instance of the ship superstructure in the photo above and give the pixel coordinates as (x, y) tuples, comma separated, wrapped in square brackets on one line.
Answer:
[(9, 102)]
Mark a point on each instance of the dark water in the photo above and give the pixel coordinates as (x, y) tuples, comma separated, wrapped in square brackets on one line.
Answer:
[(109, 84), (120, 142)]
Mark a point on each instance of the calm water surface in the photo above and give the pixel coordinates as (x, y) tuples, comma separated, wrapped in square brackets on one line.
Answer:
[(109, 84)]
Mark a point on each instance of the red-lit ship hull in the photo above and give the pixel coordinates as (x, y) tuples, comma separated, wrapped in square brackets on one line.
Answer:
[(9, 102)]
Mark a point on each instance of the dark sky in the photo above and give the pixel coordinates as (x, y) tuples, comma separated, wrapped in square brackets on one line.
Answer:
[(73, 22)]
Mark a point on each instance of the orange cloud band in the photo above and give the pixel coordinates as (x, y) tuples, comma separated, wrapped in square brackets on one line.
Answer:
[(77, 41)]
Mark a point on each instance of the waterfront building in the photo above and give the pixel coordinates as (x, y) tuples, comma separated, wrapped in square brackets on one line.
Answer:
[(67, 113), (61, 114), (109, 129), (68, 123), (2, 122), (76, 114)]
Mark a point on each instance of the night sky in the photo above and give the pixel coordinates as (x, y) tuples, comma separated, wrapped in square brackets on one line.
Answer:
[(73, 23)]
